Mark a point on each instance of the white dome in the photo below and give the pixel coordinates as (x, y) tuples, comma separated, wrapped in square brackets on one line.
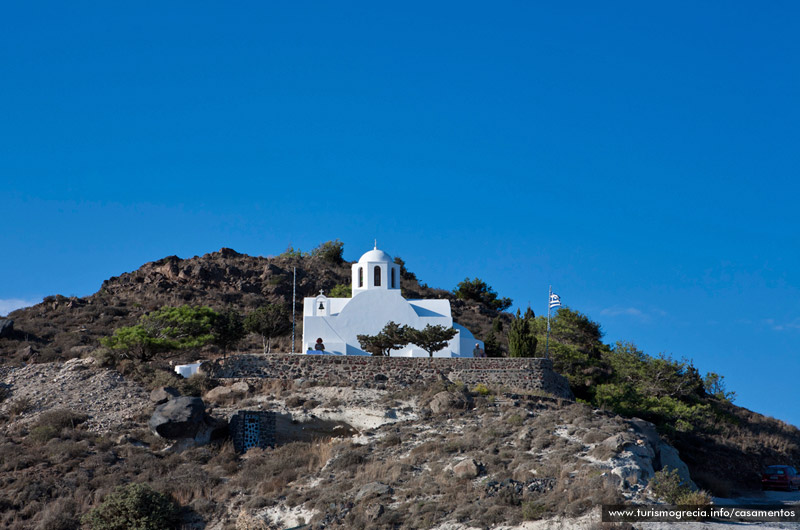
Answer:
[(375, 255), (375, 270)]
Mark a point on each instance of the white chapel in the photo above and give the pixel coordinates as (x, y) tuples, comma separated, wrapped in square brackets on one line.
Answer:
[(375, 302)]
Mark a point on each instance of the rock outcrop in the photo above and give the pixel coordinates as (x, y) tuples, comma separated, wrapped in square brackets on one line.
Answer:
[(181, 417), (6, 327), (185, 418), (163, 394), (448, 402), (641, 452), (467, 468)]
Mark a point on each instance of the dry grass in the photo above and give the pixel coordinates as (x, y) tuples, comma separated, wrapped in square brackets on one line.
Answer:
[(388, 472)]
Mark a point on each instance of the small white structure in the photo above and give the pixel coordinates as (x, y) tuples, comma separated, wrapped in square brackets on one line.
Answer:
[(187, 370), (376, 301)]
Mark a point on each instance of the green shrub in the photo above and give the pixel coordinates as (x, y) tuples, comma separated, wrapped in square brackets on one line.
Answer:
[(478, 291), (20, 406), (515, 419), (197, 385), (330, 251), (51, 423), (481, 389), (134, 507), (291, 253), (668, 486), (62, 418), (43, 433), (162, 331), (695, 498), (105, 357), (532, 511), (341, 291)]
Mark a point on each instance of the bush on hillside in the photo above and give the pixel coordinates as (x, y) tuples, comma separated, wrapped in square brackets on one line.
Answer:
[(165, 330), (228, 329), (714, 385), (51, 423), (341, 291), (478, 291), (134, 507), (330, 251), (269, 321), (291, 253), (668, 487), (668, 392)]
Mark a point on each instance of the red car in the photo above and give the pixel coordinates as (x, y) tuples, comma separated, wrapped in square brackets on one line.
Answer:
[(784, 477)]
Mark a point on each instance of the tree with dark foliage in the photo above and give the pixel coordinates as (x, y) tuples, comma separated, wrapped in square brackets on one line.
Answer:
[(522, 335), (228, 329), (480, 292), (431, 338), (269, 321), (392, 337)]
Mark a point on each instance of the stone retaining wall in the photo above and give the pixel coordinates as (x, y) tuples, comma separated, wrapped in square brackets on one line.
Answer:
[(523, 374)]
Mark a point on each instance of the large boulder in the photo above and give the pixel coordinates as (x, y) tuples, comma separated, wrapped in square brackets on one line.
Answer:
[(221, 393), (668, 457), (163, 394), (27, 353), (467, 468), (617, 442), (373, 489), (6, 327), (646, 431), (182, 417), (447, 402), (642, 452)]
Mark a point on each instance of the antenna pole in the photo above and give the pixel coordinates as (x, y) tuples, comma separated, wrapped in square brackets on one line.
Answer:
[(294, 303), (547, 341)]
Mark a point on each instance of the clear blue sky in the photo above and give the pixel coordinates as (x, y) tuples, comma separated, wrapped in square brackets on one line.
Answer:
[(642, 158)]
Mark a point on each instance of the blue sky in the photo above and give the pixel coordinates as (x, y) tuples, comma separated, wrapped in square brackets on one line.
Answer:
[(641, 158)]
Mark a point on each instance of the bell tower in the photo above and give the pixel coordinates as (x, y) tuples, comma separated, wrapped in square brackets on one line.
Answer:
[(375, 270)]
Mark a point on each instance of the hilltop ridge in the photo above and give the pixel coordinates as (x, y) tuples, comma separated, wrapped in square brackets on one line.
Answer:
[(60, 327)]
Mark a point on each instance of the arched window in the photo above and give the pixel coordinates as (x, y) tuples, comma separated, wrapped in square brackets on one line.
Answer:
[(377, 276), (393, 282), (361, 276)]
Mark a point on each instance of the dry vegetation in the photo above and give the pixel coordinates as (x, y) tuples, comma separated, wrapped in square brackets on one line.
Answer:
[(402, 478)]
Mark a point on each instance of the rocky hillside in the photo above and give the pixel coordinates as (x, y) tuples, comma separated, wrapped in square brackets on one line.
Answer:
[(61, 328), (440, 456), (723, 445)]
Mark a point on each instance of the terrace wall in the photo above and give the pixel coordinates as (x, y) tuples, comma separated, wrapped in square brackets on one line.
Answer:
[(517, 373)]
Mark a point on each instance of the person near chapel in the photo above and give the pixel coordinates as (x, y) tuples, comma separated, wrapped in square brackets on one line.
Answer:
[(478, 351)]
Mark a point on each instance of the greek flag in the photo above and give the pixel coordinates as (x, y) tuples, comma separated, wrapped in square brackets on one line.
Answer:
[(555, 300)]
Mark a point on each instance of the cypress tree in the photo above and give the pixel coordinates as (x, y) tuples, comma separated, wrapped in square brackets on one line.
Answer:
[(521, 338)]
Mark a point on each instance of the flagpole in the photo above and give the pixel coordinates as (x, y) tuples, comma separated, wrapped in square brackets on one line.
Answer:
[(547, 340)]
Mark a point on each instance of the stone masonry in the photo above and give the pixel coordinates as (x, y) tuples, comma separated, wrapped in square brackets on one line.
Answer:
[(516, 373), (252, 428)]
